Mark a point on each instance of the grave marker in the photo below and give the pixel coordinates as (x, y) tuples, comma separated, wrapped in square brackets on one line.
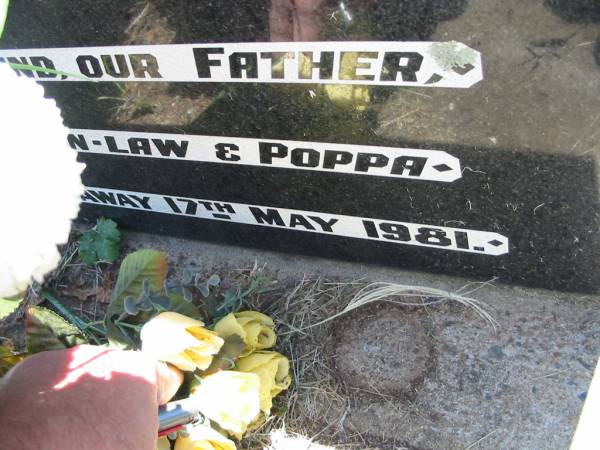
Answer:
[(209, 131)]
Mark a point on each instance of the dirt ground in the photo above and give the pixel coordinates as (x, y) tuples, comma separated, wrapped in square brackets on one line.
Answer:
[(390, 376)]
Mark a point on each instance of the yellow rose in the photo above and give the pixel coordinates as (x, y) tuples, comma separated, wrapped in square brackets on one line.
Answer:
[(203, 438), (304, 65), (163, 443), (179, 340), (8, 359), (229, 398), (256, 329), (273, 370), (349, 96)]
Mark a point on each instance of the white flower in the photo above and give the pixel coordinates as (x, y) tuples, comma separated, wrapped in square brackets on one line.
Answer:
[(40, 184)]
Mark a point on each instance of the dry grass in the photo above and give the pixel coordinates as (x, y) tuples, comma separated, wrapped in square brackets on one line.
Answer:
[(314, 410)]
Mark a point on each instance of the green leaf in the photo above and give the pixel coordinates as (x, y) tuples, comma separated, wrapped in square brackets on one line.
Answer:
[(87, 249), (135, 268), (225, 359), (101, 243), (7, 306), (180, 305), (46, 330), (108, 229), (3, 14)]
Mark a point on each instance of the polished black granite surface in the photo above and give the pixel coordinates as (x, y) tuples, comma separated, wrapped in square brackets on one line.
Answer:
[(538, 190)]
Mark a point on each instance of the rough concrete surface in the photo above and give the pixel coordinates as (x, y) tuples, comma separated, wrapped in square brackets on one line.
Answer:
[(444, 377)]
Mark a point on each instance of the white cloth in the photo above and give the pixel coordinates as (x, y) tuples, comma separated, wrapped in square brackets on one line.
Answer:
[(40, 184)]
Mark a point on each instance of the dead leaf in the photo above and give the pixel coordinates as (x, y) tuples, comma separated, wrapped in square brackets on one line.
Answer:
[(106, 286)]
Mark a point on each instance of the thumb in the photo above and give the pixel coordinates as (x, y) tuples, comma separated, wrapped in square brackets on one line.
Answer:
[(168, 380)]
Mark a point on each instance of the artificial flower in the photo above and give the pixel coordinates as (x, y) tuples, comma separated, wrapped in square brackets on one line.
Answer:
[(229, 398), (203, 438), (179, 340), (273, 369), (40, 183), (257, 330), (163, 443), (349, 96), (305, 65), (8, 358)]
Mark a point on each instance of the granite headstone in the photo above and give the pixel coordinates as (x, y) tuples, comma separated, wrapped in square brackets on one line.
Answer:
[(416, 134)]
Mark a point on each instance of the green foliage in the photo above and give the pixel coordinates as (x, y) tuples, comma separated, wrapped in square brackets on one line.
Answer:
[(192, 284), (138, 269), (8, 305), (139, 294), (65, 312), (46, 330), (146, 301), (3, 14), (235, 295), (101, 243), (182, 306), (195, 289)]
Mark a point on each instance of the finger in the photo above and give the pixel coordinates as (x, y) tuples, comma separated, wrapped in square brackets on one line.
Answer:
[(168, 380)]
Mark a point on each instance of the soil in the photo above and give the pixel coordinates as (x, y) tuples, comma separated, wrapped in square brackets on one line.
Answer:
[(381, 348)]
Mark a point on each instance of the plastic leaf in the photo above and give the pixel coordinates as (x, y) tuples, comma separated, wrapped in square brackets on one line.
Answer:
[(182, 306), (135, 268), (144, 304), (225, 359), (46, 330), (146, 286), (161, 301), (7, 306), (173, 286), (130, 306), (214, 280), (204, 290), (188, 276), (187, 295)]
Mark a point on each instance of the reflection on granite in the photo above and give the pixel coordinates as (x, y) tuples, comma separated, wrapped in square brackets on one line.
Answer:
[(527, 135)]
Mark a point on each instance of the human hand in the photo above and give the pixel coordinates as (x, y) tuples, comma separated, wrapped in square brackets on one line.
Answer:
[(295, 20), (86, 397)]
